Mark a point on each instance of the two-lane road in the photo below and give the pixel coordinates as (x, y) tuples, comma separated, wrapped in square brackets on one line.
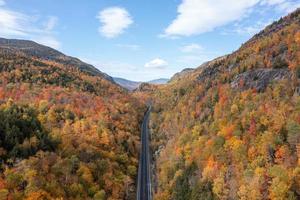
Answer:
[(144, 191)]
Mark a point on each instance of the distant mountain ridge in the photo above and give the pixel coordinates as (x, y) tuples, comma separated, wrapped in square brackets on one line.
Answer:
[(33, 49), (132, 85), (159, 81)]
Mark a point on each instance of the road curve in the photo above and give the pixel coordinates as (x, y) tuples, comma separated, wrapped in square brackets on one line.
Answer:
[(144, 191)]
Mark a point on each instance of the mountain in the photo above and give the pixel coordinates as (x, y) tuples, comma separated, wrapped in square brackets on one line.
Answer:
[(40, 64), (67, 131), (230, 128), (181, 74), (159, 81), (132, 85), (33, 49)]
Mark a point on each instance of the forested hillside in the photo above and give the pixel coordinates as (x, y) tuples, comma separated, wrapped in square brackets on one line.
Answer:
[(66, 130), (230, 129), (33, 49)]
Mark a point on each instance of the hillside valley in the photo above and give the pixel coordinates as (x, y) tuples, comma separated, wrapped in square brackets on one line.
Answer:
[(228, 129)]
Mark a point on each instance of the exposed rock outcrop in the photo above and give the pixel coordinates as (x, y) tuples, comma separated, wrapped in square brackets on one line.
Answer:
[(259, 79)]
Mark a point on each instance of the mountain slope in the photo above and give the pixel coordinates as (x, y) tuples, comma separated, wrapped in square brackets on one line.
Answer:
[(26, 61), (181, 74), (130, 85), (67, 131), (159, 81), (229, 129), (33, 49)]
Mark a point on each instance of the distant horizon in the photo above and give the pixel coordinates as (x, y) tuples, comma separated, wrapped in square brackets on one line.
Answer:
[(145, 81)]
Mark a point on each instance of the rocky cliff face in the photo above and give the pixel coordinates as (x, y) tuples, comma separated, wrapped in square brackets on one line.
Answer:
[(259, 79)]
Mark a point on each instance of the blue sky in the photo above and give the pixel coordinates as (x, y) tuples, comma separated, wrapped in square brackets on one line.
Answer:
[(140, 40)]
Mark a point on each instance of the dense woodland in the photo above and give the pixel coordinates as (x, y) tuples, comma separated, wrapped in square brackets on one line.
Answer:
[(64, 134), (230, 129)]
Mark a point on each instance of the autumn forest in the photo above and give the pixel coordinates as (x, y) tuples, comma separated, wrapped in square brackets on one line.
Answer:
[(227, 130)]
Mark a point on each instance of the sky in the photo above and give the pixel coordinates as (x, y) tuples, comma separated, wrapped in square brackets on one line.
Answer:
[(141, 40)]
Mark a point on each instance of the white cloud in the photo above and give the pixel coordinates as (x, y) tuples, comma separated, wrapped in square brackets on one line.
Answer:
[(156, 63), (114, 21), (196, 58), (288, 7), (272, 2), (15, 24), (51, 23), (191, 48), (200, 16), (285, 6), (128, 70), (250, 29), (194, 54)]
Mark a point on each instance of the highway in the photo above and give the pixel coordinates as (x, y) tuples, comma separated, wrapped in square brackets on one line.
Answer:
[(144, 191)]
